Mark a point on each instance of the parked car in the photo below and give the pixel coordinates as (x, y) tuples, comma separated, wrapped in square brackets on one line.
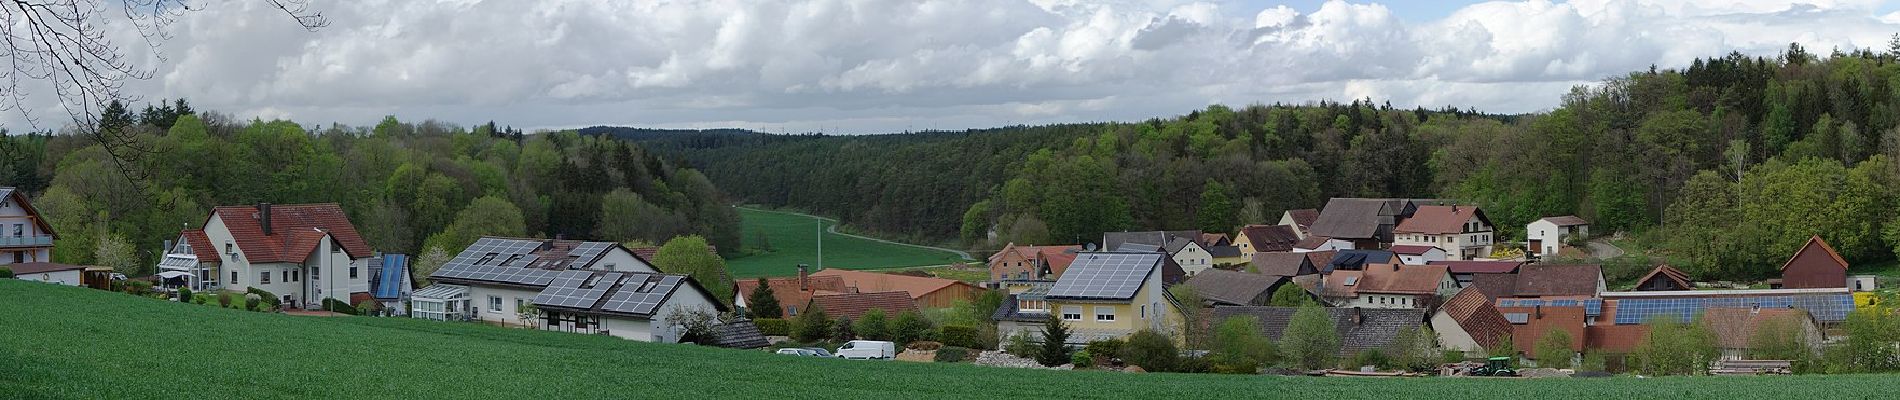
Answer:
[(804, 351), (868, 350)]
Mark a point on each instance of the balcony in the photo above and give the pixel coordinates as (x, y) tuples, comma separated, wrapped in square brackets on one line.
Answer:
[(26, 241)]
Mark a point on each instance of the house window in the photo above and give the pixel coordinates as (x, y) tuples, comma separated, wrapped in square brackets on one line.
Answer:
[(1144, 311), (234, 277), (263, 277), (791, 311), (352, 272), (227, 248), (296, 276), (1104, 314), (19, 230), (1071, 313), (494, 303)]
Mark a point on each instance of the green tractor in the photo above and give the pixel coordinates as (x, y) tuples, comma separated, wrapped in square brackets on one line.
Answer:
[(1495, 366)]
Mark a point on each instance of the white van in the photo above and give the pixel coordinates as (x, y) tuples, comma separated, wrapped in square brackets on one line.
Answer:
[(868, 350)]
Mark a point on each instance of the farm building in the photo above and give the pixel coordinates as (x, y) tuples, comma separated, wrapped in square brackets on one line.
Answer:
[(1664, 278), (63, 274), (1259, 238), (1222, 287), (1029, 263), (927, 292), (1546, 236), (1468, 322), (853, 305), (793, 293), (1301, 220), (1735, 327), (1815, 266), (1415, 254), (1359, 329)]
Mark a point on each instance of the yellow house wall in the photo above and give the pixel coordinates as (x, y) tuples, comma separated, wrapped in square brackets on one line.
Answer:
[(1128, 316)]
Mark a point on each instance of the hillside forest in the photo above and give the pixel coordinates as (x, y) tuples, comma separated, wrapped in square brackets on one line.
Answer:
[(407, 187), (1725, 166)]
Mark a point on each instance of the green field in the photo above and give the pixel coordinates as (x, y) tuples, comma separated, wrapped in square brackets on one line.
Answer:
[(65, 342), (793, 240)]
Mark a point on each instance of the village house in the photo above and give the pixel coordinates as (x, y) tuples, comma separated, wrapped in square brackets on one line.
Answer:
[(1287, 264), (1462, 231), (1546, 236), (1222, 287), (303, 253), (926, 291), (1469, 323), (1467, 271), (1816, 265), (852, 306), (1415, 254), (1259, 238), (1110, 295), (1320, 243), (1227, 256), (1664, 278), (566, 286), (25, 236), (1364, 223), (1388, 286), (1735, 327), (1182, 246), (793, 293), (1356, 260), (1030, 263), (1359, 329), (1557, 280), (1301, 220)]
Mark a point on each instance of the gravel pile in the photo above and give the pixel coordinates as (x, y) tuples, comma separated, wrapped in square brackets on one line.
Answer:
[(993, 358), (1543, 373)]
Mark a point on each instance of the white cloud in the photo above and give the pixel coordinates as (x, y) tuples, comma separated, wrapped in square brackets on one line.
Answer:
[(876, 65)]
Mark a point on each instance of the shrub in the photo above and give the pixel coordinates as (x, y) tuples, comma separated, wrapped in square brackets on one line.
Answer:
[(773, 326), (1413, 349), (1105, 348), (184, 295), (1675, 348), (368, 307), (338, 306), (1239, 348), (1020, 345), (224, 299), (6, 273), (265, 296), (263, 307), (1451, 356), (910, 327), (251, 301), (1310, 341), (200, 298), (1593, 361), (843, 331), (952, 354), (924, 345), (1553, 351), (872, 325), (138, 287), (960, 336), (1151, 350), (1082, 359), (811, 326), (1372, 357)]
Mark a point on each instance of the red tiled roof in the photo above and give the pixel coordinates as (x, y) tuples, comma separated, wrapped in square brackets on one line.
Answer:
[(854, 305), (1411, 249), (1270, 237), (200, 244), (1542, 320), (27, 268), (1474, 312), (867, 282), (1480, 267), (1320, 258), (292, 229), (1311, 242), (1559, 280), (1396, 279), (1215, 239), (1439, 220), (1620, 339), (1734, 327), (787, 292)]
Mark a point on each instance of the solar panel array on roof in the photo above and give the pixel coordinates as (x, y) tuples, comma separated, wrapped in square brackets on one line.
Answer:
[(1518, 318), (641, 294), (1105, 275), (1591, 307), (1826, 308), (588, 250), (497, 260), (576, 289)]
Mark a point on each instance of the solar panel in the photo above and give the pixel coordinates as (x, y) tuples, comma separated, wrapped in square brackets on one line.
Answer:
[(1352, 280), (1826, 308), (576, 289), (641, 294), (1105, 275), (589, 250), (1517, 318)]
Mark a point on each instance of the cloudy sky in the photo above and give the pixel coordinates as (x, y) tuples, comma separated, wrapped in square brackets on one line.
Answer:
[(864, 66)]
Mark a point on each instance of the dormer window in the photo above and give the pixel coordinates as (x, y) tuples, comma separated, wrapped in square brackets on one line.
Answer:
[(490, 257)]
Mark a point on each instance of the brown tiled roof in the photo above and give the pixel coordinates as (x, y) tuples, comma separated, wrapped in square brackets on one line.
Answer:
[(1320, 258), (1734, 327), (1542, 320), (1334, 284), (201, 245), (1618, 339), (1311, 242), (1215, 239), (27, 268), (1304, 217), (867, 282), (1439, 220), (1349, 218), (787, 292), (1412, 249), (1271, 237), (292, 226), (1481, 267), (1232, 288), (1667, 272), (1495, 285), (1395, 279), (1280, 263), (1558, 280), (1567, 220), (1359, 329), (1479, 318), (854, 305)]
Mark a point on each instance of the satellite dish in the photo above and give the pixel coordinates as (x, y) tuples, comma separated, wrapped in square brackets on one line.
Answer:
[(1088, 247)]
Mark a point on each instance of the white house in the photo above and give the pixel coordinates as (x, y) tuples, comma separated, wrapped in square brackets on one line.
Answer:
[(572, 286), (1192, 257), (24, 236), (1462, 231), (1546, 236), (1412, 254), (302, 253)]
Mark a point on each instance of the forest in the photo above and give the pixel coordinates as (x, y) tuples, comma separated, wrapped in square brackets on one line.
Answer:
[(408, 187), (1726, 166)]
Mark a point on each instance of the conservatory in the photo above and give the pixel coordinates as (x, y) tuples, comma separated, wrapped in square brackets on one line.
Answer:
[(440, 302)]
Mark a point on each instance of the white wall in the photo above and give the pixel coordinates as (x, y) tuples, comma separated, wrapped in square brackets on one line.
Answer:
[(68, 278), (628, 328), (1384, 301), (1549, 233), (1452, 336), (478, 299), (12, 214), (622, 260), (1193, 259)]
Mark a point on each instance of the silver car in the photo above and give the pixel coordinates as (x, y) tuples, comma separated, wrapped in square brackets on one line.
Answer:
[(805, 351)]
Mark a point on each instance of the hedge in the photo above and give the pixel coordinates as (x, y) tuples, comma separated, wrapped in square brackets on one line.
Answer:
[(266, 296), (773, 326), (6, 273), (333, 305), (952, 354), (959, 336)]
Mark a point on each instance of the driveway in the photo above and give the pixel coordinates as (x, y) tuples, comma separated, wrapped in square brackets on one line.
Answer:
[(1603, 250)]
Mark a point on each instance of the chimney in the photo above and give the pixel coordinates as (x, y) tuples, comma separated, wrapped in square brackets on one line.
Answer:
[(1539, 310), (263, 217), (804, 272)]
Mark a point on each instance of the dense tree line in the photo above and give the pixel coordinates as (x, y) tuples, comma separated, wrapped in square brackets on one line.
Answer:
[(406, 186)]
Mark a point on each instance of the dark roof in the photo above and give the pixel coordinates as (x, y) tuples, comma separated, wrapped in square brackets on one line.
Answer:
[(1280, 263), (854, 305), (1270, 237), (1440, 220), (40, 267), (1010, 311), (1567, 220), (1349, 218), (1494, 286), (1372, 329), (1676, 279), (1477, 316), (1311, 242), (1171, 241), (1481, 267), (1108, 275), (1232, 288), (1215, 239), (294, 231), (1303, 217), (1223, 251), (1558, 280), (1355, 259), (741, 334)]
